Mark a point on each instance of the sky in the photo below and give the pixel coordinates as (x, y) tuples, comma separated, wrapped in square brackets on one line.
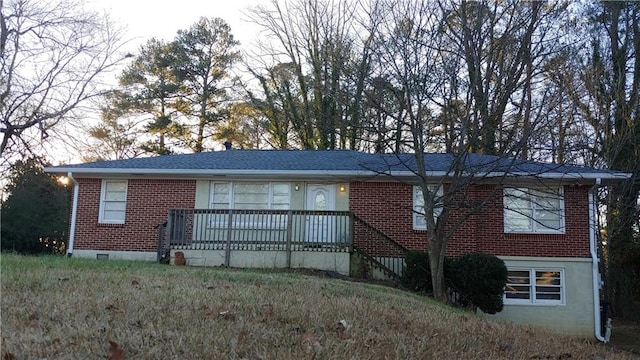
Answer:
[(145, 19)]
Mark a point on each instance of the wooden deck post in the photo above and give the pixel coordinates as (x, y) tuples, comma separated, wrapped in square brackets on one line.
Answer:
[(227, 251), (351, 232), (289, 235)]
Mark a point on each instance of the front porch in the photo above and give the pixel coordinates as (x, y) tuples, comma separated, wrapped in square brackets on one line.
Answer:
[(327, 240)]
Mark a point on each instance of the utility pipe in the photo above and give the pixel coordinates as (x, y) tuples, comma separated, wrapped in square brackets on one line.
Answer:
[(74, 213), (597, 282)]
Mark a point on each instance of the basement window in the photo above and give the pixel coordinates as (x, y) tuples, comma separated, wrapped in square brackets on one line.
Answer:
[(534, 287)]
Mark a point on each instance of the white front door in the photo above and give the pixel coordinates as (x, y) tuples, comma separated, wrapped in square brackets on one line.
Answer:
[(321, 227)]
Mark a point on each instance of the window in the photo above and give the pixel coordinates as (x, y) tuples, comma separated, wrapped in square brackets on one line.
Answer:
[(533, 210), (535, 287), (250, 196), (113, 201), (419, 222)]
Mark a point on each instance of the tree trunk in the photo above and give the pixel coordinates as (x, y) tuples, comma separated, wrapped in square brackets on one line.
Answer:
[(436, 264)]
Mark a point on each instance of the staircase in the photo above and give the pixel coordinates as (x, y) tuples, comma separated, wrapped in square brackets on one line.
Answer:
[(375, 254)]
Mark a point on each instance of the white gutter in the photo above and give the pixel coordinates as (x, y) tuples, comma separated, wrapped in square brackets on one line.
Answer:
[(74, 213), (597, 281), (325, 173)]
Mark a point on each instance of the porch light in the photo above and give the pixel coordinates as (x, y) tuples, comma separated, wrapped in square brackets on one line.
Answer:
[(342, 188), (63, 180), (297, 187)]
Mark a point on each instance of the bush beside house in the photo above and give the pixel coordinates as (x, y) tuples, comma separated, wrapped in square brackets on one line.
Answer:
[(475, 280)]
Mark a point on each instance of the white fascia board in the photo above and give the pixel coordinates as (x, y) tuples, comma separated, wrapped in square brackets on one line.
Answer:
[(95, 172), (205, 172), (587, 177)]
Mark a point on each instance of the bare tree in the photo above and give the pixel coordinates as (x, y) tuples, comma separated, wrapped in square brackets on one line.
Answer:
[(503, 46), (52, 56), (314, 69), (435, 56), (608, 98)]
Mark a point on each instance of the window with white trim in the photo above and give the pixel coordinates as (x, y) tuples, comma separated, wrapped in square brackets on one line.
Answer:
[(419, 221), (533, 210), (113, 202), (534, 287), (250, 196)]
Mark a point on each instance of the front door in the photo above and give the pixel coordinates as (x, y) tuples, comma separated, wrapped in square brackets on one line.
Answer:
[(321, 227)]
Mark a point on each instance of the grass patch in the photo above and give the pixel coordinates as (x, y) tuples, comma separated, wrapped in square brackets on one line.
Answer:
[(55, 307)]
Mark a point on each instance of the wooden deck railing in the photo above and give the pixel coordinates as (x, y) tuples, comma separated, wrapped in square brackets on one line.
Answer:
[(289, 230), (279, 230), (386, 252)]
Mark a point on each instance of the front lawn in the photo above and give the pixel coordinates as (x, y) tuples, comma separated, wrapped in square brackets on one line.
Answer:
[(62, 308)]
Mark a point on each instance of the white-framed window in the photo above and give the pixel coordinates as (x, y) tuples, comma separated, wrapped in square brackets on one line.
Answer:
[(419, 221), (250, 196), (534, 210), (113, 202), (527, 286)]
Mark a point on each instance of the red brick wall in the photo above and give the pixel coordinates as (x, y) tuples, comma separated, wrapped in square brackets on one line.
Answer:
[(387, 206), (148, 202)]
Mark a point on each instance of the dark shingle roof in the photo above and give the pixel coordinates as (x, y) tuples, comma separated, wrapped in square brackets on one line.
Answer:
[(319, 162)]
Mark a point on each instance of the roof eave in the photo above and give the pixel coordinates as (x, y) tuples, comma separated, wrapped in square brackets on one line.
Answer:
[(107, 172), (94, 172)]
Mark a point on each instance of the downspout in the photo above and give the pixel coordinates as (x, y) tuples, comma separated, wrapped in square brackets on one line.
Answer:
[(74, 212), (597, 281)]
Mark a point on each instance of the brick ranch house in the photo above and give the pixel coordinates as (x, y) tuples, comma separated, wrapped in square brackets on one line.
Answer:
[(349, 212)]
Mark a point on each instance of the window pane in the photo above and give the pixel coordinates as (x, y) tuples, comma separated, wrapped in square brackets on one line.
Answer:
[(220, 197), (548, 285), (516, 198), (549, 219), (113, 216), (418, 199), (546, 293), (320, 202), (280, 199), (547, 278), (115, 196), (280, 189), (517, 292), (247, 198), (518, 277), (251, 188), (251, 206), (420, 220), (548, 198), (115, 206), (516, 221), (116, 186), (518, 285)]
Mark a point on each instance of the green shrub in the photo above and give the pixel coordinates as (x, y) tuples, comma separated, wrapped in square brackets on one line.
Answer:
[(417, 275), (417, 272), (480, 279)]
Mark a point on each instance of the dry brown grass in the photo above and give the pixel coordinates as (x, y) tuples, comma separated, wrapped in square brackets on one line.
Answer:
[(60, 308)]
